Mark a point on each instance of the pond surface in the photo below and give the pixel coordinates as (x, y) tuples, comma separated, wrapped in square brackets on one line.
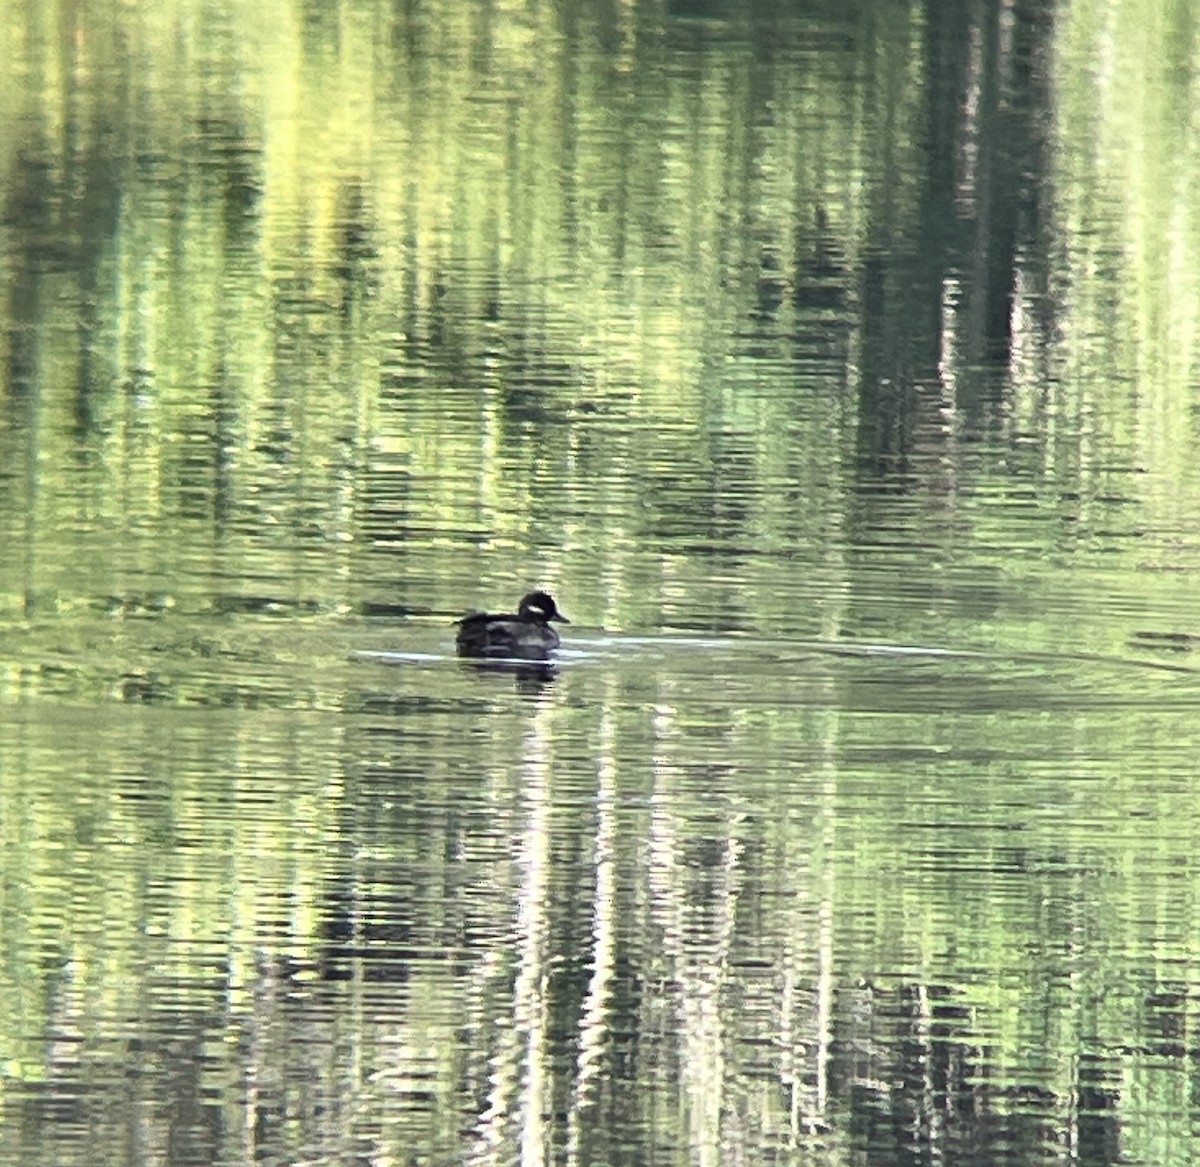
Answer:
[(835, 367)]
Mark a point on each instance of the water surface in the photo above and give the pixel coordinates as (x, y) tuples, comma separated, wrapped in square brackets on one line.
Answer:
[(834, 367)]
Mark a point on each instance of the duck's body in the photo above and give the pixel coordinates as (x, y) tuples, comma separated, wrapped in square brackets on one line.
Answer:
[(526, 635)]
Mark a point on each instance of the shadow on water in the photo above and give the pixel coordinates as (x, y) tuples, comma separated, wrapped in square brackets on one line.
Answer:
[(528, 676)]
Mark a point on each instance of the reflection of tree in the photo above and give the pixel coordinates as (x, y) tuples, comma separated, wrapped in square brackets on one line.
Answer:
[(943, 265), (917, 1081)]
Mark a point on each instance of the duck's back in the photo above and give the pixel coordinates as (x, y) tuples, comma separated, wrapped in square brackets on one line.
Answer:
[(484, 634)]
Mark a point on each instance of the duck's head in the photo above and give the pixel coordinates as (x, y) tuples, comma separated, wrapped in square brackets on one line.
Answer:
[(540, 607)]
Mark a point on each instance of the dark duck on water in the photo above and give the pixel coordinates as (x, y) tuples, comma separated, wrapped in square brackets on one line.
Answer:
[(526, 635)]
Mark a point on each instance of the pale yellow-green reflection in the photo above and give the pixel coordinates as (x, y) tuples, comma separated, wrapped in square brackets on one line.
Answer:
[(594, 1023), (529, 1001), (695, 950), (1125, 161)]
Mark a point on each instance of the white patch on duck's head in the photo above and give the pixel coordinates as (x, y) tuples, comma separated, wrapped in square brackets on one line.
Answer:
[(539, 606)]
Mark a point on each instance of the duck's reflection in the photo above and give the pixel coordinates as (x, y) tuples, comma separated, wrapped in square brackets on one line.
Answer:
[(529, 676)]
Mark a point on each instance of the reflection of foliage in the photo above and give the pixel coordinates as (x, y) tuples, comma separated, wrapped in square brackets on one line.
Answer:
[(768, 942), (351, 273), (689, 307), (564, 243)]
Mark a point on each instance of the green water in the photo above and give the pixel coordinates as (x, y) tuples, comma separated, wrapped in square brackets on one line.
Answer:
[(834, 365)]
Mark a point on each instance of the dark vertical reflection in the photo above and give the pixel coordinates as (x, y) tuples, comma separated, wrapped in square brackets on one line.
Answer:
[(904, 261), (230, 173), (923, 1088), (93, 222), (981, 162), (1024, 183), (1002, 162), (356, 252), (31, 212)]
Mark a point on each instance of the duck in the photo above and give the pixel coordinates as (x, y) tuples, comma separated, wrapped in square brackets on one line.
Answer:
[(527, 635)]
